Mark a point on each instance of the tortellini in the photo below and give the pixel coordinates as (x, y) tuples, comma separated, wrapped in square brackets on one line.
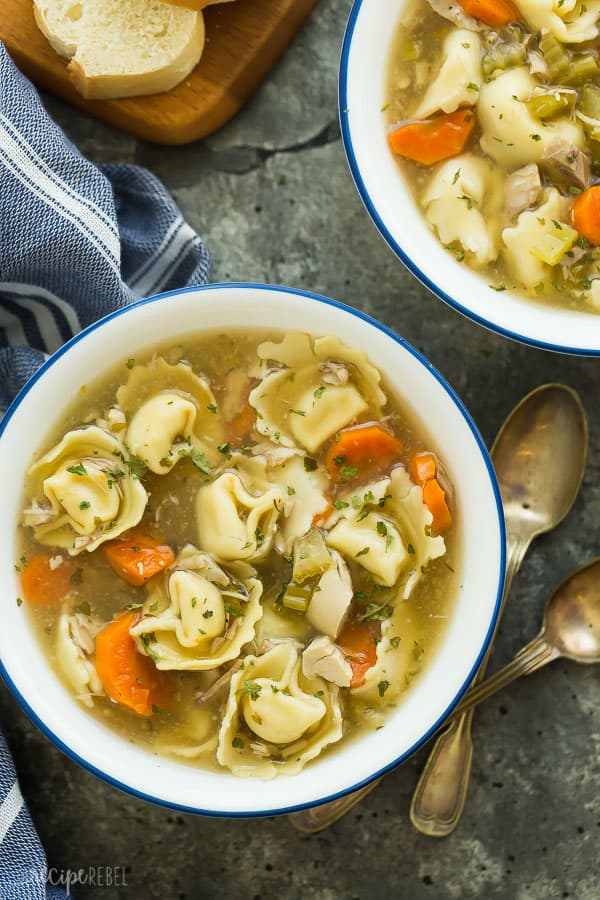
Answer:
[(276, 719), (453, 201), (512, 136), (386, 528), (194, 737), (199, 616), (398, 655), (75, 635), (85, 494), (322, 386), (237, 513), (570, 21), (304, 493), (171, 412), (459, 78), (531, 226)]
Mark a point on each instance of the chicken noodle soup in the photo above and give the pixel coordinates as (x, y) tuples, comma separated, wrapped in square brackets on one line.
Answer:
[(239, 551), (494, 116)]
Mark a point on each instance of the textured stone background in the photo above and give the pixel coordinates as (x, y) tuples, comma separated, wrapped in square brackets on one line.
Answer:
[(272, 196)]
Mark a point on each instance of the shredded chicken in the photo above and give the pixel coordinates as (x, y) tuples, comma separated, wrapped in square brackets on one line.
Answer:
[(454, 12), (220, 684), (330, 604), (523, 189), (567, 165), (323, 659), (334, 372), (39, 513), (275, 455), (55, 562), (537, 64), (83, 630)]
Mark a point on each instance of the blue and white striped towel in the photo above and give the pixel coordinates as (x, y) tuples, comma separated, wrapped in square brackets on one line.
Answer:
[(77, 241)]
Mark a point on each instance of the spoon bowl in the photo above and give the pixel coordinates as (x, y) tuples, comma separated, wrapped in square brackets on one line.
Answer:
[(539, 457), (572, 617)]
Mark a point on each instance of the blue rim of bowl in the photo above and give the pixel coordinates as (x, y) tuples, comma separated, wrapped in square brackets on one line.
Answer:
[(300, 294), (385, 232)]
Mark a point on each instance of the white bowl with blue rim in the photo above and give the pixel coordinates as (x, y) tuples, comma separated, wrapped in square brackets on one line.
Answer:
[(443, 421), (362, 96)]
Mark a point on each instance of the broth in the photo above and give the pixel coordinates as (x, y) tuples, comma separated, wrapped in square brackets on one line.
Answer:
[(181, 724)]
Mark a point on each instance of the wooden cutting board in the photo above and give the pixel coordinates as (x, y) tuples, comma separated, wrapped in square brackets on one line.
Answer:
[(244, 40)]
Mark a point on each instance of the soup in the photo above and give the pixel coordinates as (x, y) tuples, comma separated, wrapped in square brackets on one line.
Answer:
[(494, 117), (239, 551)]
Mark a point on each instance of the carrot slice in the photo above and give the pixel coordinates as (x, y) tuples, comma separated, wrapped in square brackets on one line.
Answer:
[(358, 642), (43, 585), (128, 677), (241, 424), (430, 141), (585, 214), (423, 467), (434, 497), (493, 12), (361, 450), (138, 558)]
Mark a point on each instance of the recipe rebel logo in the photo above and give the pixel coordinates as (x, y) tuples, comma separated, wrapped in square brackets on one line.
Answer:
[(91, 876)]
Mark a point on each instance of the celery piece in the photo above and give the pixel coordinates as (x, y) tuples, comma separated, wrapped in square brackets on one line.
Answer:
[(552, 246), (297, 596), (557, 58), (311, 556), (411, 51), (590, 101), (552, 103), (503, 56), (584, 68)]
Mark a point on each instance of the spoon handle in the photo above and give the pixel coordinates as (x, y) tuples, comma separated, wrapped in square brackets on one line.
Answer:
[(316, 818), (439, 797), (532, 657)]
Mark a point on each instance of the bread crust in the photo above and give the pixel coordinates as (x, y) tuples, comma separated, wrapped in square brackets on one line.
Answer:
[(99, 85)]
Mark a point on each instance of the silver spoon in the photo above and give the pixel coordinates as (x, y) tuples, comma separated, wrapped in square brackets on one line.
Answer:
[(571, 629), (539, 456)]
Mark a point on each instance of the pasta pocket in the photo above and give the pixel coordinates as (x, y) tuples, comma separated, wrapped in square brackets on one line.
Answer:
[(200, 616), (75, 635), (458, 81), (237, 513), (571, 21), (84, 493), (277, 719), (171, 413), (320, 386)]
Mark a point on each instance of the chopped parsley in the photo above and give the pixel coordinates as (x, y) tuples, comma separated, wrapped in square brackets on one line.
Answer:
[(376, 612), (298, 412), (395, 641), (362, 552), (258, 534), (130, 363), (382, 529), (211, 407), (319, 392), (208, 614), (252, 688), (340, 504), (497, 287), (157, 710), (154, 607), (223, 448), (291, 490), (238, 743), (19, 601), (137, 467), (309, 464), (347, 473), (468, 200), (471, 86), (535, 137), (200, 461), (319, 693), (85, 504), (232, 611), (411, 549), (382, 687), (79, 469)]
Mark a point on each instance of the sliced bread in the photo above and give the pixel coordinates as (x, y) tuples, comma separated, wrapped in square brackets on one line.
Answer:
[(196, 4), (123, 49)]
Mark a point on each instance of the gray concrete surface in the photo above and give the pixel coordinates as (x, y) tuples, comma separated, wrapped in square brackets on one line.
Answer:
[(272, 196)]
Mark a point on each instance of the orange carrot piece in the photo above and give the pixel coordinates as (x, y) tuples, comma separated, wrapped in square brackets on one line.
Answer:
[(358, 641), (361, 450), (435, 139), (138, 558), (493, 12), (585, 214), (43, 585), (128, 677), (422, 468), (240, 425), (434, 497)]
